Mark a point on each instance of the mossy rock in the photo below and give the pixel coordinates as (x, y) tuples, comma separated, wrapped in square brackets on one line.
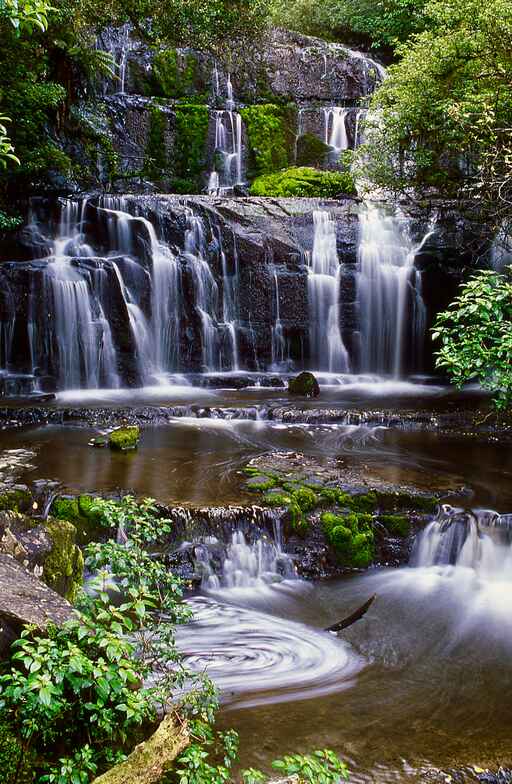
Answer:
[(303, 181), (311, 151), (399, 500), (124, 439), (15, 500), (396, 525), (10, 753), (351, 538), (260, 483), (366, 502), (81, 513), (306, 499), (64, 566), (304, 384)]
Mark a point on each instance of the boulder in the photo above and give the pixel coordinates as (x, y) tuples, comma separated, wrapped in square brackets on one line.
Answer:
[(304, 384), (150, 760), (123, 439), (24, 599)]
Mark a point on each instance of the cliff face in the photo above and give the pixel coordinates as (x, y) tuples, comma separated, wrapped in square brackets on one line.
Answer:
[(112, 291), (172, 117)]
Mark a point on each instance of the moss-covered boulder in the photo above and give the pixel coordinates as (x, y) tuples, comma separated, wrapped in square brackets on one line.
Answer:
[(124, 439), (63, 568), (311, 151), (351, 537), (304, 384)]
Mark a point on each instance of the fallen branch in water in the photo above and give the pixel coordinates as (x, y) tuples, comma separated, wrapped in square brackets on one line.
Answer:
[(350, 619)]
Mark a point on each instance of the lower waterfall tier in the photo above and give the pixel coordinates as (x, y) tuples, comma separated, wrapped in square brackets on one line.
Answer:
[(112, 292)]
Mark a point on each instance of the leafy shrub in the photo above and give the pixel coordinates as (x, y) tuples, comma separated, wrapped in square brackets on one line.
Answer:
[(476, 335), (304, 181), (270, 135)]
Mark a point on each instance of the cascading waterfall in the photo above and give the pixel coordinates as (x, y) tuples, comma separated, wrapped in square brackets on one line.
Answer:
[(228, 145), (244, 564), (392, 311), (479, 540), (336, 131), (327, 350)]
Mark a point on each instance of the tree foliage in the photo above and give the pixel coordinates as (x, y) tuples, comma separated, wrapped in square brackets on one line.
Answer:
[(372, 23), (476, 335), (442, 120)]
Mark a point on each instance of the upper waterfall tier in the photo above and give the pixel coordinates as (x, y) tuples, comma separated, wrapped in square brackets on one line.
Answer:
[(177, 121), (121, 291)]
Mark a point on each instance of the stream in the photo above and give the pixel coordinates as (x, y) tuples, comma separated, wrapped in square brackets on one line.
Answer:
[(419, 683)]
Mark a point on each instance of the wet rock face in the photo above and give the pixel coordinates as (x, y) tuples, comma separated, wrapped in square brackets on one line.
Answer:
[(24, 599)]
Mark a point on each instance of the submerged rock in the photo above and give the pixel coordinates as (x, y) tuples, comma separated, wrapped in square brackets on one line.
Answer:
[(304, 384)]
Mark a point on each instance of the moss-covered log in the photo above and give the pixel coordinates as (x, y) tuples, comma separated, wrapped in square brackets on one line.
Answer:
[(150, 760)]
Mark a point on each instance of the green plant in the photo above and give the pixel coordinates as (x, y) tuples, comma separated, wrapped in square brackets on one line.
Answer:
[(304, 181), (320, 767), (476, 335)]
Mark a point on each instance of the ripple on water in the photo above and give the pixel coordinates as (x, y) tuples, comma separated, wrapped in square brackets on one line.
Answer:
[(258, 659)]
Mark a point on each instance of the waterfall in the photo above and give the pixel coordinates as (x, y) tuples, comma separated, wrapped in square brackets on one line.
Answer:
[(336, 131), (230, 297), (227, 171), (392, 311), (479, 540), (280, 350), (243, 564), (327, 350)]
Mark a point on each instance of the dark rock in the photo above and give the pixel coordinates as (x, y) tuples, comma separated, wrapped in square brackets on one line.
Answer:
[(304, 384), (24, 599)]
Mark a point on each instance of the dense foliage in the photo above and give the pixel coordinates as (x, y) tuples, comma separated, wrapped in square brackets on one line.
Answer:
[(75, 700), (442, 119), (476, 335), (372, 23)]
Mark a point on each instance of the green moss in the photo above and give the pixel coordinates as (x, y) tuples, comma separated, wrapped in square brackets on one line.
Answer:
[(333, 496), (304, 181), (124, 438), (174, 75), (306, 499), (276, 499), (15, 501), (363, 503), (189, 154), (388, 501), (351, 538), (397, 525), (156, 162), (64, 565), (65, 509), (271, 138), (298, 522), (10, 754), (311, 151), (260, 483)]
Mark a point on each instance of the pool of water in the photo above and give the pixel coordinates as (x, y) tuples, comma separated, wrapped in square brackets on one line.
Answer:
[(421, 682), (424, 679)]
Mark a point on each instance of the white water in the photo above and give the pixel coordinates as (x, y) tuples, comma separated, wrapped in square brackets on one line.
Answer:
[(391, 307), (228, 170), (327, 350), (336, 131)]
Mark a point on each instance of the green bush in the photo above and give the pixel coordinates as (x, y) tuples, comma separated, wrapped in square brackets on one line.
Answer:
[(304, 181), (476, 335)]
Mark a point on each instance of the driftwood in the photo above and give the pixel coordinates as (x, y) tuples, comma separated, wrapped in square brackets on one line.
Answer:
[(150, 760), (350, 619)]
